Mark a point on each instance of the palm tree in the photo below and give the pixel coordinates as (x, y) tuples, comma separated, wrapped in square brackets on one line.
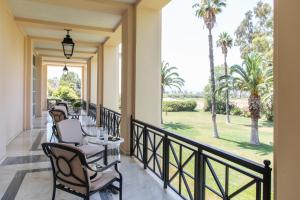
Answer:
[(225, 42), (249, 77), (169, 78), (207, 10)]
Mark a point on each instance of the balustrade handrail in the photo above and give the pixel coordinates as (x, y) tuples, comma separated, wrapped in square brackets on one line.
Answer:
[(226, 155), (144, 137)]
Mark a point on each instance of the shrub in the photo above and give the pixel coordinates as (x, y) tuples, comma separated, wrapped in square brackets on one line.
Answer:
[(77, 104), (66, 93), (179, 106), (236, 111)]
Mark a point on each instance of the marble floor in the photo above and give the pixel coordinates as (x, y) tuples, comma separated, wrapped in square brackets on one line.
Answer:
[(26, 172)]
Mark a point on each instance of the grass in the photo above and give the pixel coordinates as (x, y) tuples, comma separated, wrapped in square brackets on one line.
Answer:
[(234, 138)]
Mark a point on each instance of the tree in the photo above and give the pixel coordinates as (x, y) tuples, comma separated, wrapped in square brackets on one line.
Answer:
[(225, 42), (250, 77), (169, 78), (65, 93), (71, 79), (208, 10), (255, 32)]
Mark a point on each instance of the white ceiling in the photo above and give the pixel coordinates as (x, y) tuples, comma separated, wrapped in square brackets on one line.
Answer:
[(102, 14)]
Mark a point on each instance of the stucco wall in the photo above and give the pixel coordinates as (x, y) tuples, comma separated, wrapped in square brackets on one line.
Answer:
[(11, 78), (287, 98), (111, 77), (94, 80), (148, 63)]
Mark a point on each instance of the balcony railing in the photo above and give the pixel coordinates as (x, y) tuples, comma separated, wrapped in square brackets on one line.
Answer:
[(110, 120), (192, 169)]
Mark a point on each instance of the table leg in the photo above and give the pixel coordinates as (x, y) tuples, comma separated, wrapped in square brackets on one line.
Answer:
[(105, 154)]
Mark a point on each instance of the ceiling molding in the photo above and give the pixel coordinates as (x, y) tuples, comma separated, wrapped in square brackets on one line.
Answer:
[(105, 6), (55, 56), (47, 62), (55, 40), (61, 26), (60, 50)]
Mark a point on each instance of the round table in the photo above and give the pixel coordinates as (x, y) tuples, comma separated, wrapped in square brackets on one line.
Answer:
[(109, 144)]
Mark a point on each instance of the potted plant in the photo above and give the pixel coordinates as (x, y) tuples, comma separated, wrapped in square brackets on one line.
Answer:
[(77, 106)]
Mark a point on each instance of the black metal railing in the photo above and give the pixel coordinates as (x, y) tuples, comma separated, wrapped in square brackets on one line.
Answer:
[(110, 120), (195, 170), (92, 111)]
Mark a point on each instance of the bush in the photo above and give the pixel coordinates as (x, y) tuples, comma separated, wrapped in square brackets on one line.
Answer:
[(179, 106), (236, 111), (77, 104), (65, 93)]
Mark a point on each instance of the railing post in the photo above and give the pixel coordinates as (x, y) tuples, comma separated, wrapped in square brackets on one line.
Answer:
[(100, 120), (267, 181), (199, 175), (131, 136), (145, 147), (166, 158)]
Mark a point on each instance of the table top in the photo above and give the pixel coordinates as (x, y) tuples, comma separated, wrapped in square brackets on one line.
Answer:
[(95, 140)]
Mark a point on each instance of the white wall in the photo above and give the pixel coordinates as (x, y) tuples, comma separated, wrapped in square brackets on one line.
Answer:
[(11, 78), (111, 77), (94, 80), (148, 63)]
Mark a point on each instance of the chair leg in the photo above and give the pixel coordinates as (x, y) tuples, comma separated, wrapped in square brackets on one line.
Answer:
[(54, 191), (120, 192), (87, 197)]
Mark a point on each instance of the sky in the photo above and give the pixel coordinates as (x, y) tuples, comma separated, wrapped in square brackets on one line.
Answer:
[(185, 39), (54, 71)]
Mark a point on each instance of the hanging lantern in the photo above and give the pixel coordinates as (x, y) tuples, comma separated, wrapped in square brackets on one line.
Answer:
[(65, 70), (68, 45)]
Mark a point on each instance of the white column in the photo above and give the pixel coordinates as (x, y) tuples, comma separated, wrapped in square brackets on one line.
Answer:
[(27, 123), (99, 82), (39, 66), (287, 98), (148, 65), (128, 82), (88, 82), (111, 77), (44, 89)]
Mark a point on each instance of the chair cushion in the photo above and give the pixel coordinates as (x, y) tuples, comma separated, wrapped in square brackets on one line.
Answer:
[(91, 149), (70, 130), (62, 108), (102, 179)]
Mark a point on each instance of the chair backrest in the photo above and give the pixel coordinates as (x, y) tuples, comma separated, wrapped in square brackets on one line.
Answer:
[(57, 115), (63, 104), (68, 166), (62, 108), (70, 130)]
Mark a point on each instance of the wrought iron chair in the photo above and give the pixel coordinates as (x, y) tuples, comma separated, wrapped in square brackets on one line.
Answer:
[(64, 106), (57, 115), (71, 172), (70, 131)]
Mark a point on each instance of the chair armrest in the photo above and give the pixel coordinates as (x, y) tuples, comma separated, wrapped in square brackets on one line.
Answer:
[(84, 133), (115, 163), (75, 143)]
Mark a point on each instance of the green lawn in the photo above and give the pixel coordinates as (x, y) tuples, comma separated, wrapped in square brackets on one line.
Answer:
[(234, 139)]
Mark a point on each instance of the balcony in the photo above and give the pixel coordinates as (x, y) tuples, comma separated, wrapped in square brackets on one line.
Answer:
[(172, 166), (26, 174)]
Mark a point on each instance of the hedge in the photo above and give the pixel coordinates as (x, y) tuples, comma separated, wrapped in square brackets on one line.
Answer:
[(179, 106)]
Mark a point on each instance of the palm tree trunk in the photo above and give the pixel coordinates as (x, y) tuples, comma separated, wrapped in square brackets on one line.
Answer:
[(213, 86), (254, 108), (161, 104), (254, 131), (227, 91)]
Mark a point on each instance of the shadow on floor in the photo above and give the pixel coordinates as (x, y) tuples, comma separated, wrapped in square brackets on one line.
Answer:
[(262, 149), (176, 126)]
